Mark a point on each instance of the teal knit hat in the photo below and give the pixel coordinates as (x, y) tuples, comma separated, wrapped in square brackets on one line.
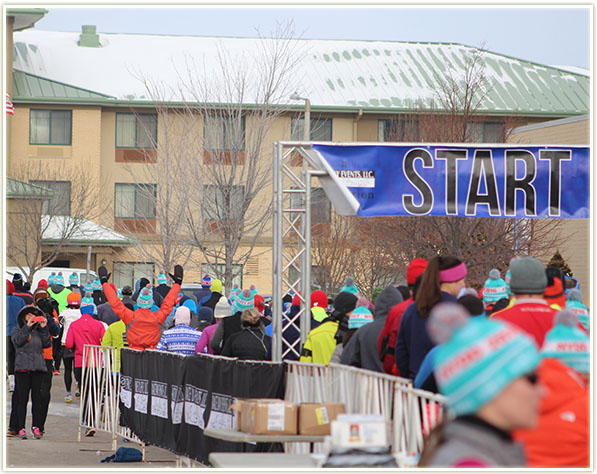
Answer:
[(52, 278), (244, 300), (494, 288), (87, 300), (73, 279), (162, 280), (253, 290), (59, 279), (568, 343), (145, 298), (349, 286), (478, 357), (97, 285), (574, 303), (88, 287), (359, 317)]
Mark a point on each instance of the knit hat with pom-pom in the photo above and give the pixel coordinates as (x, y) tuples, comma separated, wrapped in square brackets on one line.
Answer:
[(244, 300), (162, 280), (359, 317), (88, 287), (494, 288), (206, 282), (253, 290), (145, 298), (567, 342), (349, 286), (73, 279), (477, 357), (87, 304), (574, 303), (97, 285), (52, 278)]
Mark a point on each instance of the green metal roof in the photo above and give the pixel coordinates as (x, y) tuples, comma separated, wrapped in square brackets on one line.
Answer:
[(30, 86), (16, 189)]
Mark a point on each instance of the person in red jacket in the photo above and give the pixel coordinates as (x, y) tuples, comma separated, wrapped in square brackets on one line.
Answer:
[(387, 338), (561, 438), (143, 326), (530, 312)]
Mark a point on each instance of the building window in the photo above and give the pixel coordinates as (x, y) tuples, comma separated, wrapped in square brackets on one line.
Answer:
[(321, 207), (134, 201), (224, 133), (485, 132), (50, 127), (398, 130), (136, 130), (59, 204), (237, 270), (223, 203), (128, 273), (320, 129)]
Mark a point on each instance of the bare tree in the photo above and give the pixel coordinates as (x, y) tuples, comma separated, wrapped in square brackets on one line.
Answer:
[(57, 220), (237, 103)]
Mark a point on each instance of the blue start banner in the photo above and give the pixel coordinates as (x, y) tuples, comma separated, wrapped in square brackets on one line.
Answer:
[(447, 180)]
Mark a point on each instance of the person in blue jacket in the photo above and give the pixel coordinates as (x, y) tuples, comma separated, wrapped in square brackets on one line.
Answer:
[(14, 304), (441, 282)]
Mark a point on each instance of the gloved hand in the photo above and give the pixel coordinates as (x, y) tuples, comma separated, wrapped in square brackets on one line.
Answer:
[(104, 276), (177, 277)]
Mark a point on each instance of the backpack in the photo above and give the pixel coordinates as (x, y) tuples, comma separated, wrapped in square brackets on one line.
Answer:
[(125, 455)]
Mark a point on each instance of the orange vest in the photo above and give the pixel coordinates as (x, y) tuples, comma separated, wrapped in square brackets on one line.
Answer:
[(48, 354)]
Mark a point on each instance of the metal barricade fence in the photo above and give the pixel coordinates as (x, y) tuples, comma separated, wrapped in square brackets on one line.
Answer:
[(100, 389)]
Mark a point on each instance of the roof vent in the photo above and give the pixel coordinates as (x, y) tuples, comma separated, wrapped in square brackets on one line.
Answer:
[(89, 38)]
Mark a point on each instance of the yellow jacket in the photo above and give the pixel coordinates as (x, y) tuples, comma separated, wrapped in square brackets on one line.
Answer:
[(320, 343), (113, 337)]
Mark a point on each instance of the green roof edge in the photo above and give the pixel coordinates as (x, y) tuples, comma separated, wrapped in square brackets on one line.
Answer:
[(25, 11), (62, 84)]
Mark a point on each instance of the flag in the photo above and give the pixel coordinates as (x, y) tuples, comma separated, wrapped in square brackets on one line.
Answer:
[(10, 108)]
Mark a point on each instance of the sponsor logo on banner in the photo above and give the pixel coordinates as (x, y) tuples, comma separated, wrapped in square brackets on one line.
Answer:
[(141, 395), (159, 399), (126, 390), (221, 415), (194, 407), (357, 178), (177, 403)]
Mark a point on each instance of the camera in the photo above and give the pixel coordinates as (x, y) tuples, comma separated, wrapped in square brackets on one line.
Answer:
[(38, 319)]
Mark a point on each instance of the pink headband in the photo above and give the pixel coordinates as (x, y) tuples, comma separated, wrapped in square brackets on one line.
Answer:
[(452, 274)]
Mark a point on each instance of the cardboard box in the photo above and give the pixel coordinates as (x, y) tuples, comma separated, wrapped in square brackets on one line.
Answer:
[(240, 406), (269, 416), (359, 431), (316, 418)]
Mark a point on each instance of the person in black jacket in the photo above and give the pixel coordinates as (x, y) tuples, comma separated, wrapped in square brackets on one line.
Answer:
[(251, 342), (30, 338)]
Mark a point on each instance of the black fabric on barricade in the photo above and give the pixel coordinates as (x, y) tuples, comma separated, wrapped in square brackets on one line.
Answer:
[(167, 399)]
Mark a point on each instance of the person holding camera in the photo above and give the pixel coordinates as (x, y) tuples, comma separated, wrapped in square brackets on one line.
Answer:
[(30, 338)]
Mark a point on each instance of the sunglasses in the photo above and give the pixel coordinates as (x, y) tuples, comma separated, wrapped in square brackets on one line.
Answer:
[(533, 378)]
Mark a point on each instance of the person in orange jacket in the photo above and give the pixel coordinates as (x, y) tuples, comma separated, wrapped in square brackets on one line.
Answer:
[(561, 438), (143, 326)]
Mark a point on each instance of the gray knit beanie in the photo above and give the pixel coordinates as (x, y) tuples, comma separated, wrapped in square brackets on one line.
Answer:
[(527, 275)]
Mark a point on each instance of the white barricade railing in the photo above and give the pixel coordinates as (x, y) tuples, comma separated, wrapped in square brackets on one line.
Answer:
[(100, 389), (416, 413)]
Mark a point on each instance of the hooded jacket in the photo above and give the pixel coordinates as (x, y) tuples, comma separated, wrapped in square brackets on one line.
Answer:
[(106, 314), (250, 343), (386, 345), (29, 342), (14, 304), (361, 350), (113, 337), (561, 438), (143, 325), (84, 330), (60, 294), (68, 316)]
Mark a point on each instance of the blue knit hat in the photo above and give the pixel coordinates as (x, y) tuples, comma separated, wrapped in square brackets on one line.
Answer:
[(244, 300), (206, 282), (359, 317), (478, 357), (574, 303), (162, 280), (568, 343), (494, 288), (88, 287), (253, 290), (349, 286), (73, 279), (97, 285), (52, 278), (59, 279), (145, 298)]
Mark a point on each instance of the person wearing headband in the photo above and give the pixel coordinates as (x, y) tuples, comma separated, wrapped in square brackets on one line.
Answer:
[(441, 282)]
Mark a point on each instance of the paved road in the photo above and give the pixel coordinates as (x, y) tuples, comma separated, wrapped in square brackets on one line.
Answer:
[(59, 447)]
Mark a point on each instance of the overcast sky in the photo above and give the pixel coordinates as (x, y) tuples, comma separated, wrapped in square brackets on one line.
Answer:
[(546, 35)]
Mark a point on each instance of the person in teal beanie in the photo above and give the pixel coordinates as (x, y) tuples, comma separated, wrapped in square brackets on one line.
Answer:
[(349, 286), (494, 288), (574, 303), (486, 370)]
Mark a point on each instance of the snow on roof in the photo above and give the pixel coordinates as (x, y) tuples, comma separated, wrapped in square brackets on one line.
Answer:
[(334, 73), (86, 232)]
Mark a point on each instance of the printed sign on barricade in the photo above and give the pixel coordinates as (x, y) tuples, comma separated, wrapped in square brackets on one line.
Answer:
[(167, 400), (464, 180)]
